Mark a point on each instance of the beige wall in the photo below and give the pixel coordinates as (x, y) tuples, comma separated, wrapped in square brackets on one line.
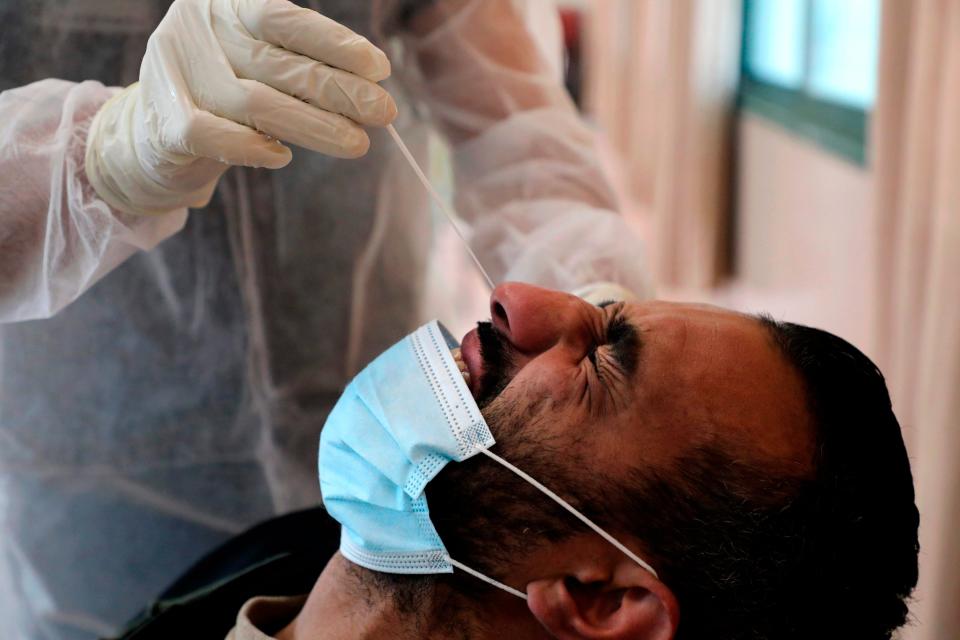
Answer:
[(805, 235)]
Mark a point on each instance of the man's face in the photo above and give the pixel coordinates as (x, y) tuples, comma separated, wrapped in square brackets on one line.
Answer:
[(684, 431), (630, 385), (588, 399)]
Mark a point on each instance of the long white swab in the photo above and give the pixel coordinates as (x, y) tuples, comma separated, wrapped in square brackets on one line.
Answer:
[(451, 217), (566, 505)]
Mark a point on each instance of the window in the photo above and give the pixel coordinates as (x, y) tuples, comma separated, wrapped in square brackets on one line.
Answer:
[(810, 65)]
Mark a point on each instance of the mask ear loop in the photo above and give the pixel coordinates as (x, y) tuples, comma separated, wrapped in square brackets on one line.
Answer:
[(566, 505), (485, 578), (563, 503)]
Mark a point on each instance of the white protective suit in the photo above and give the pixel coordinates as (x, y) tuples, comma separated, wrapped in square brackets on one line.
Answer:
[(179, 399)]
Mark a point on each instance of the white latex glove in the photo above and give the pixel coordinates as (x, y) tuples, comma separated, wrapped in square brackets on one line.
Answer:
[(221, 82)]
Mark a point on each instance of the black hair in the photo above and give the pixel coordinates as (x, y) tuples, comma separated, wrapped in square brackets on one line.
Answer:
[(759, 553)]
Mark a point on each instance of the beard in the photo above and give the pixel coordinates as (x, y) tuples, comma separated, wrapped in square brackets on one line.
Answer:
[(486, 515), (498, 363)]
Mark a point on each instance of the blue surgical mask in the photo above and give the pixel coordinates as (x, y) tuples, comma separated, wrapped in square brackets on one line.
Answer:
[(398, 423)]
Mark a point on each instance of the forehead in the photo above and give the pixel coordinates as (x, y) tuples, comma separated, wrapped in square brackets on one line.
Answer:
[(711, 375)]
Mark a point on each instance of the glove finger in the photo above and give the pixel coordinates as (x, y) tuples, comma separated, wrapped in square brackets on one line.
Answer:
[(223, 140), (291, 120), (309, 33), (321, 85)]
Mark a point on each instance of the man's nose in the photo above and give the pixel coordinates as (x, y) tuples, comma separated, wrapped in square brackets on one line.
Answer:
[(536, 319)]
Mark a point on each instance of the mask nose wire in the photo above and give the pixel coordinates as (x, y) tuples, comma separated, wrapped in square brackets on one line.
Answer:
[(447, 211), (566, 505)]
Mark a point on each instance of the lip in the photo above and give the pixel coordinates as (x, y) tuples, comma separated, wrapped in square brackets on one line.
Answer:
[(470, 352)]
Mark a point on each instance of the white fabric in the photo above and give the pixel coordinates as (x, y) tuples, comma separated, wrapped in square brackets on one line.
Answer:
[(539, 203), (599, 292), (57, 238), (533, 197), (917, 161), (221, 82), (663, 85), (180, 399)]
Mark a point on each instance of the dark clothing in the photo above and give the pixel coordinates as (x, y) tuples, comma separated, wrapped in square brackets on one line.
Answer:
[(283, 556)]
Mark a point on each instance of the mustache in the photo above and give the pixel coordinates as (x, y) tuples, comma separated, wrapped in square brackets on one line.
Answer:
[(497, 354)]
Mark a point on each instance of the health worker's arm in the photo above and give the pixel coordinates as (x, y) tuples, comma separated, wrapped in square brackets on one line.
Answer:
[(57, 237), (527, 175), (92, 174)]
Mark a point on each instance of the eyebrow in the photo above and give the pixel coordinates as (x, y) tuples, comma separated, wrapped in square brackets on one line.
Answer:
[(625, 343)]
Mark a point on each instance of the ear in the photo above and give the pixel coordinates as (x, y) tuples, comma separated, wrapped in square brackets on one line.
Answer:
[(630, 603)]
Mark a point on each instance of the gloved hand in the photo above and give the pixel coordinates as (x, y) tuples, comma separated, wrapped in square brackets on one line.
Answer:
[(221, 82)]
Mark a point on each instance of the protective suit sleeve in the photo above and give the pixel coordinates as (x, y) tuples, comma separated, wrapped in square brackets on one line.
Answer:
[(527, 175), (57, 238)]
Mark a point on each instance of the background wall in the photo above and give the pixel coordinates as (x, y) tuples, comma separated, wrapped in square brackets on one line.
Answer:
[(870, 252), (804, 237)]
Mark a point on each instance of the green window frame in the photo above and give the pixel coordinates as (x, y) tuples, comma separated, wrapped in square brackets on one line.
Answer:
[(838, 128)]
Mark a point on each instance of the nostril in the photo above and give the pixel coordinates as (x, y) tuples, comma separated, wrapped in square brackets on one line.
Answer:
[(500, 314)]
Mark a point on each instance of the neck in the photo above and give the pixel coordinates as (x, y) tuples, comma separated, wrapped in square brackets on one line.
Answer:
[(343, 604), (336, 609)]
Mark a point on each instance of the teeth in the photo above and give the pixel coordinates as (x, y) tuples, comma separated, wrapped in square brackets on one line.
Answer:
[(458, 358)]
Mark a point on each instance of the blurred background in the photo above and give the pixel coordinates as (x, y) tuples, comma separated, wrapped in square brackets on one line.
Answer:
[(802, 157)]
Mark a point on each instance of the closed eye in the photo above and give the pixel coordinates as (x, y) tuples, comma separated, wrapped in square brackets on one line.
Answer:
[(623, 341), (625, 344), (592, 357)]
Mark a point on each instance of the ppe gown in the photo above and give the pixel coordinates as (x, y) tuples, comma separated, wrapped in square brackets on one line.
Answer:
[(179, 399)]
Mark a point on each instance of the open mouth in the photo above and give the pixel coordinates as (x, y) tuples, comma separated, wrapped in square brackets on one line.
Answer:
[(470, 361), (458, 358), (486, 360), (489, 362)]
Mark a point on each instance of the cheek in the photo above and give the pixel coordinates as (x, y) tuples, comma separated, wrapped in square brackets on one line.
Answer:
[(545, 397), (553, 377)]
